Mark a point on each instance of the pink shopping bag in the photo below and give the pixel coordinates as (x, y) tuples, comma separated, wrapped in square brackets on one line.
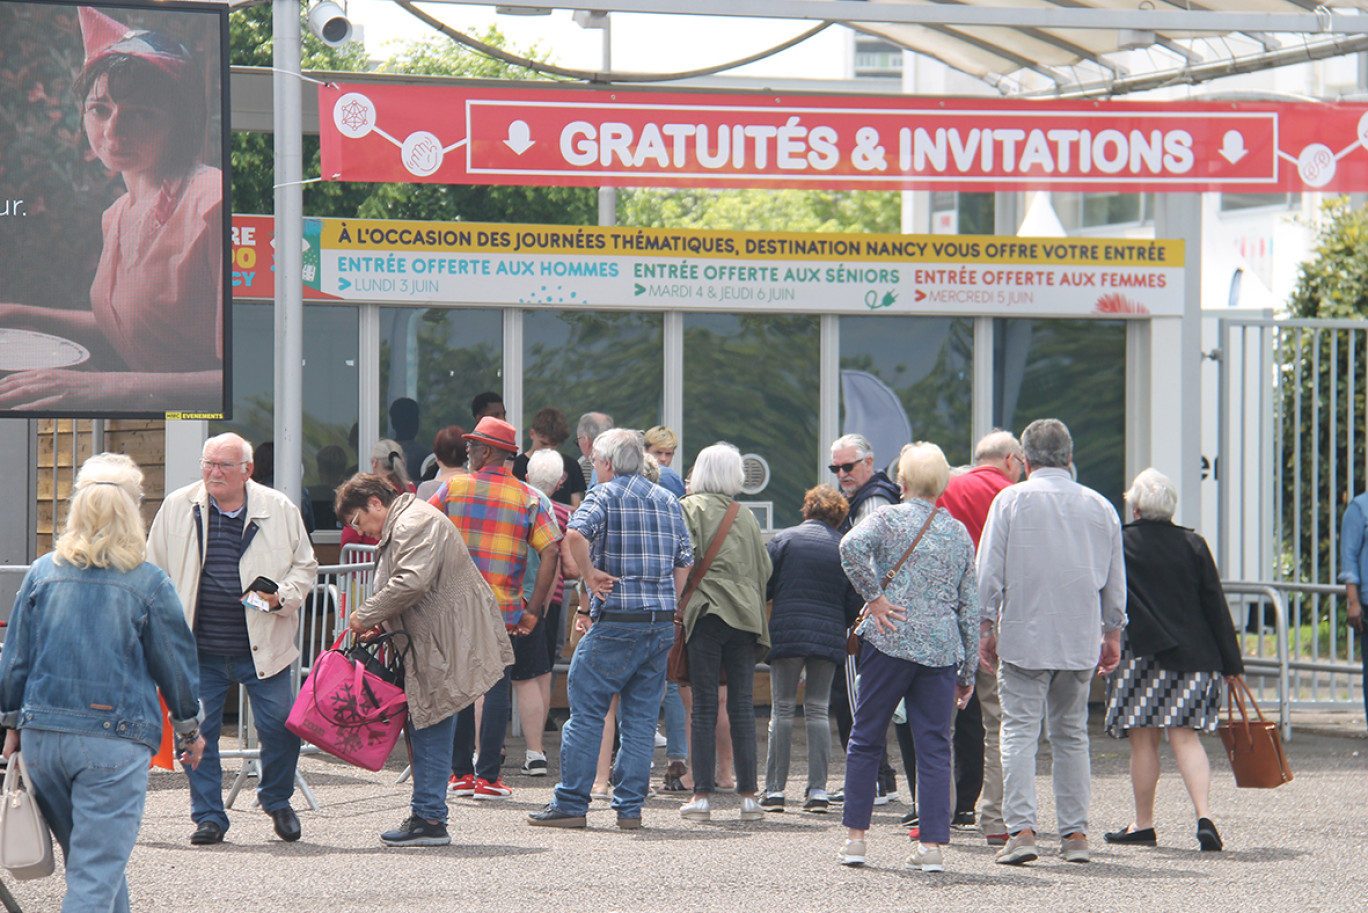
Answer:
[(348, 710)]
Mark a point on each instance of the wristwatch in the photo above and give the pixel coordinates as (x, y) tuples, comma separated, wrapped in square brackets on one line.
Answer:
[(185, 739)]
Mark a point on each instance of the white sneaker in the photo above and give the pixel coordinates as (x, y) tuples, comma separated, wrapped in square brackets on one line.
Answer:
[(660, 740), (750, 809), (698, 810), (535, 765)]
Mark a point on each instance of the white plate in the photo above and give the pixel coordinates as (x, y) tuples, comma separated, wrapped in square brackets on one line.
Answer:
[(25, 350)]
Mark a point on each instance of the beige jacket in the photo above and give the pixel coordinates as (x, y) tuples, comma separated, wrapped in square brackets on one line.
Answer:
[(280, 550), (426, 584)]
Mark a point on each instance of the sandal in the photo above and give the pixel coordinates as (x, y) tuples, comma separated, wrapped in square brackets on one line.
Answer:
[(674, 775)]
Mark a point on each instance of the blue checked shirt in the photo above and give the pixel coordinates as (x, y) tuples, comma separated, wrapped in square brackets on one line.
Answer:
[(636, 533)]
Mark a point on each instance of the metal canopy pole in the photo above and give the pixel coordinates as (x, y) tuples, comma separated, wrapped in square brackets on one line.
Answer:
[(289, 249)]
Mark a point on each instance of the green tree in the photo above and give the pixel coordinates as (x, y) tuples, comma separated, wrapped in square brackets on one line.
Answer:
[(1321, 383), (876, 211)]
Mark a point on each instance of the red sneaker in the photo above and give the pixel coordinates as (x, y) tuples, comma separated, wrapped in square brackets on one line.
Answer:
[(462, 786), (496, 790)]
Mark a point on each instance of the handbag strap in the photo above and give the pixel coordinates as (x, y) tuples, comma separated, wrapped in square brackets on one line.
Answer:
[(888, 578), (701, 568), (1233, 693)]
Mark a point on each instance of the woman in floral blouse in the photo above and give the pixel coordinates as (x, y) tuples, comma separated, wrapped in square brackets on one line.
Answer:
[(920, 645)]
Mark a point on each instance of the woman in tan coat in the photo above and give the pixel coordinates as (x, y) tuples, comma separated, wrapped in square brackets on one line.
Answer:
[(427, 586)]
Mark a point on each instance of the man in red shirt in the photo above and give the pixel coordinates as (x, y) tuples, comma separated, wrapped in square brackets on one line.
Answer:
[(998, 463)]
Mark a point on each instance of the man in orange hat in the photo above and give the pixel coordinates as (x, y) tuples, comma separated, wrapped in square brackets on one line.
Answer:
[(500, 518)]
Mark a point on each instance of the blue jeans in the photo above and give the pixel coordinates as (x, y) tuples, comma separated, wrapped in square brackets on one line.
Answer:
[(271, 701), (621, 658), (493, 727), (91, 790), (430, 768), (676, 724), (929, 693)]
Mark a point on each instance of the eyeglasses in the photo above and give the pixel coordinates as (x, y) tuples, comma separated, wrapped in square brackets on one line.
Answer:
[(208, 465), (839, 468), (355, 521)]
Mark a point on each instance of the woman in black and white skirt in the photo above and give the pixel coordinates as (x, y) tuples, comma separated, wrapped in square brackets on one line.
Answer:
[(1179, 644)]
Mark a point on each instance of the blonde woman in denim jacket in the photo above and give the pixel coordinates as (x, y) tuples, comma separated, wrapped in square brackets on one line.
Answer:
[(89, 729)]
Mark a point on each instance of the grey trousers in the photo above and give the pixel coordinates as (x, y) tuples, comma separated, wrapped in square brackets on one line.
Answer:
[(784, 675), (990, 810), (1060, 696)]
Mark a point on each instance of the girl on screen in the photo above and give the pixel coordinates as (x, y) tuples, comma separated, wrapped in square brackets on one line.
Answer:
[(154, 327)]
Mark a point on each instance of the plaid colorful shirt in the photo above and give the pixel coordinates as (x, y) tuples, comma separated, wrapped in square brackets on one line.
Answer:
[(636, 532), (499, 518)]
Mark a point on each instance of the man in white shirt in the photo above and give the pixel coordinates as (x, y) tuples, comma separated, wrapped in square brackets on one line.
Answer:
[(1052, 582)]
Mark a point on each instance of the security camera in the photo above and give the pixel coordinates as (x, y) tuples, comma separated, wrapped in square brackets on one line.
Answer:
[(329, 23)]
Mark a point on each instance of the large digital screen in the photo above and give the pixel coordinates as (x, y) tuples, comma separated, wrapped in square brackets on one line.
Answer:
[(114, 256)]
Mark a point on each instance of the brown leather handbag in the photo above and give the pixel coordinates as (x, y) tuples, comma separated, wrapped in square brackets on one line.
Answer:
[(853, 639), (1253, 746), (677, 663)]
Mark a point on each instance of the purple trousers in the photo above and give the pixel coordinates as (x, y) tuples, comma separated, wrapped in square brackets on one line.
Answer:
[(930, 696)]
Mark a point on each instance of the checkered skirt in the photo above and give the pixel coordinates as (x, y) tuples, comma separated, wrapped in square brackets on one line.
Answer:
[(1142, 694)]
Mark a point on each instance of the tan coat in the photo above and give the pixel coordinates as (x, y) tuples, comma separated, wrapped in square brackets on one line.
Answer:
[(426, 584)]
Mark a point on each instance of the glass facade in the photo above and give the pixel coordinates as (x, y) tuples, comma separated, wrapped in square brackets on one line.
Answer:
[(1075, 371), (752, 380)]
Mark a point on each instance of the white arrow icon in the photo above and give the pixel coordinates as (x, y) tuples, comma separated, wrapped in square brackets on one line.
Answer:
[(519, 137), (1233, 147)]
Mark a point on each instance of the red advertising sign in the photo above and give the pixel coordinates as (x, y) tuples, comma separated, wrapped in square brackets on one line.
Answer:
[(549, 136)]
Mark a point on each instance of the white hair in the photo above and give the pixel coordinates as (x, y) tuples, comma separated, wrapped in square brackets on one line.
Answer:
[(1152, 496), (229, 437), (861, 444), (622, 448), (544, 470), (717, 470)]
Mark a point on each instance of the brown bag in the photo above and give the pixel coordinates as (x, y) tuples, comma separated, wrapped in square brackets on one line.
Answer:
[(677, 662), (1253, 746), (853, 639)]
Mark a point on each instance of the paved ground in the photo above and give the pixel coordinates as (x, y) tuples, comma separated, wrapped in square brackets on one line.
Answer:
[(1297, 848)]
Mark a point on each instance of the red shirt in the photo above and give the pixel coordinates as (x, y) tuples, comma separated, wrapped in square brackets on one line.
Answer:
[(967, 497)]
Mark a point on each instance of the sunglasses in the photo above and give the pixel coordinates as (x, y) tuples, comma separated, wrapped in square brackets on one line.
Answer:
[(838, 468)]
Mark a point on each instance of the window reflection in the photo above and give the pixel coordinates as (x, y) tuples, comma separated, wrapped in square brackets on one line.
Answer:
[(593, 361), (442, 358), (330, 382), (924, 366), (752, 380), (1072, 370)]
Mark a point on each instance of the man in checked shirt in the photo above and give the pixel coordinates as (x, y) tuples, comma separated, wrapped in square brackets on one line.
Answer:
[(629, 538)]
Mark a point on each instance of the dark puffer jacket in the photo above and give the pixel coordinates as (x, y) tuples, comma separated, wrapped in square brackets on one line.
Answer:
[(814, 603)]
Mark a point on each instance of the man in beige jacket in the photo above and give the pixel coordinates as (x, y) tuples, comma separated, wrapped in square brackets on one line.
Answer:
[(242, 564), (427, 586)]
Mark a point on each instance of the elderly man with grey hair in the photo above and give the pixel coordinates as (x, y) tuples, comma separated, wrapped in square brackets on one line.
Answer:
[(590, 426), (866, 488), (1052, 583), (242, 564), (629, 539)]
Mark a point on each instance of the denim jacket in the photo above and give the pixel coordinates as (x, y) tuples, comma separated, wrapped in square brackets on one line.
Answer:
[(87, 648)]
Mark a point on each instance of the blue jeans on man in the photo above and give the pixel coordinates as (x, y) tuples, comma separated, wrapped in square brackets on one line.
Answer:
[(271, 700), (92, 791), (627, 659)]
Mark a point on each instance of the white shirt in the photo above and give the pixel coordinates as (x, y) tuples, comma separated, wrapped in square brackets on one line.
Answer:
[(1051, 572)]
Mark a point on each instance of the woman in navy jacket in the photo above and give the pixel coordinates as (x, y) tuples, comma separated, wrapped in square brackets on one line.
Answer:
[(813, 605)]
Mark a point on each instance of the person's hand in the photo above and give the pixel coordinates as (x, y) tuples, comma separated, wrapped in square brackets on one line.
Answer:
[(191, 756), (11, 742), (885, 613), (46, 387), (583, 622), (988, 657), (363, 632), (1354, 615), (1111, 655), (600, 583), (525, 624), (271, 599), (962, 695)]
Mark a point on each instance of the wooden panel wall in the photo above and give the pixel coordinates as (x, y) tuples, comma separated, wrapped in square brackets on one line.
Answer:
[(63, 444)]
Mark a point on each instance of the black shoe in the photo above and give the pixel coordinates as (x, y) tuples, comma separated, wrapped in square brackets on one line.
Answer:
[(286, 823), (1143, 837), (962, 819), (1208, 836), (911, 819), (417, 832), (773, 802), (207, 833), (837, 798), (550, 816)]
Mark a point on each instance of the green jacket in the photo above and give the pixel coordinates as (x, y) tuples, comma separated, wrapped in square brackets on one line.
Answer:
[(734, 587)]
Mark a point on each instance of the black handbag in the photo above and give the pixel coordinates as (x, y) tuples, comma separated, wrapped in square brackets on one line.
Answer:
[(381, 657)]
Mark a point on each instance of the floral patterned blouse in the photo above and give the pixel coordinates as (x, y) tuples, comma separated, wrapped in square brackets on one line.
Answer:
[(936, 585)]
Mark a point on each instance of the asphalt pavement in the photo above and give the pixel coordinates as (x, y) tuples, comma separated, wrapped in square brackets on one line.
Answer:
[(1297, 848)]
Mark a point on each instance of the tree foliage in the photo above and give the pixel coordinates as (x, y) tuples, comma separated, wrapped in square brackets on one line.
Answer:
[(762, 210), (1321, 384)]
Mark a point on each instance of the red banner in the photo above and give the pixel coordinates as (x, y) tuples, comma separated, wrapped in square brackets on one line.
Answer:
[(550, 136)]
